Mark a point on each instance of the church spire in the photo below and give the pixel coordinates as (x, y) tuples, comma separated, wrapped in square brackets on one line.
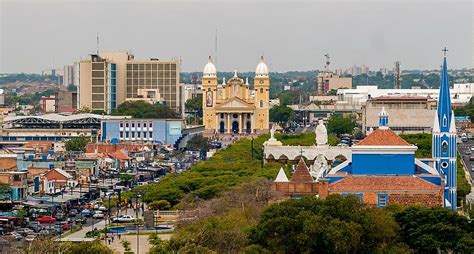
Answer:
[(444, 111)]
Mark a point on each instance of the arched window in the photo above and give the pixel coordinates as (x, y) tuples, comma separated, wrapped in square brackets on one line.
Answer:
[(444, 147), (261, 90), (261, 103), (445, 121)]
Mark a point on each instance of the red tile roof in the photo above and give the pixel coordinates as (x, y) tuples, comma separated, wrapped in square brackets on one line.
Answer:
[(375, 183), (383, 137), (301, 174)]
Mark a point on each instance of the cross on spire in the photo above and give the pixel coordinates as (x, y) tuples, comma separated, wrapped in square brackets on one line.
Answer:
[(301, 152), (445, 50)]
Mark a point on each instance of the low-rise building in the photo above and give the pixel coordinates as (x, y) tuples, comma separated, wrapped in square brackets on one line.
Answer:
[(409, 114), (17, 182), (163, 131)]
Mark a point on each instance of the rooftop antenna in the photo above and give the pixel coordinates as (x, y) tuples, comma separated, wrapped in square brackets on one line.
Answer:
[(215, 49), (97, 43)]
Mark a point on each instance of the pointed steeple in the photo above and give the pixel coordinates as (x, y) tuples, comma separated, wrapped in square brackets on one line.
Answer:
[(383, 119), (301, 174), (281, 177), (444, 111)]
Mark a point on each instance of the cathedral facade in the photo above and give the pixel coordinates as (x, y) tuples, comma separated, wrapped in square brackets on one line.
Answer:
[(234, 106)]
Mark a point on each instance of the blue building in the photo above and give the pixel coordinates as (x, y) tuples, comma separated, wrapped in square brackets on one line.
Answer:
[(383, 168), (444, 140), (164, 131)]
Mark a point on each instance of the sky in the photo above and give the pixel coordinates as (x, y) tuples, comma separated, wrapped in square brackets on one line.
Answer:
[(292, 35)]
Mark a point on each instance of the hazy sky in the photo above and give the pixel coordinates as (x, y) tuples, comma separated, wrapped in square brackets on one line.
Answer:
[(293, 35)]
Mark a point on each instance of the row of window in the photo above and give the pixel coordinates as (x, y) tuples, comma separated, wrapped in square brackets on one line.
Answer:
[(395, 128), (152, 66), (136, 134), (382, 198), (150, 124)]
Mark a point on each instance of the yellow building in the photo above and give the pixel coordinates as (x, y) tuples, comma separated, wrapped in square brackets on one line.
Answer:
[(233, 106)]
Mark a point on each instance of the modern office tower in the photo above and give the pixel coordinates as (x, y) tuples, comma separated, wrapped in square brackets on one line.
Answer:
[(111, 78), (154, 74), (98, 84)]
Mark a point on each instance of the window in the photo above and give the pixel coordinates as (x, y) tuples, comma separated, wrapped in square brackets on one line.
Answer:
[(126, 134), (444, 147), (383, 200), (445, 121), (150, 134), (138, 125), (144, 134), (144, 125), (151, 125), (133, 134), (133, 125), (121, 134), (138, 134), (16, 178), (261, 103), (126, 125), (121, 125)]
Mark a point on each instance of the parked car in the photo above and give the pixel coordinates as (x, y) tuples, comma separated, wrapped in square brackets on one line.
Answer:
[(86, 213), (103, 208), (64, 224), (30, 237), (72, 213), (471, 158), (468, 152), (98, 215), (36, 226), (123, 218), (81, 221), (46, 219), (14, 236), (44, 232)]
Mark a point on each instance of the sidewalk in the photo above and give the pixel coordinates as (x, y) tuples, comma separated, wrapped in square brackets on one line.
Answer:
[(143, 242)]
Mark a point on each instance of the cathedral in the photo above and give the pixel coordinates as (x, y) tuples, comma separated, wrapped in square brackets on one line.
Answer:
[(382, 168), (233, 106)]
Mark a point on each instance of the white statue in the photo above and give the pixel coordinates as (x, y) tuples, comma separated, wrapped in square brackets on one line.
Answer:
[(272, 141), (320, 165), (272, 132), (321, 134)]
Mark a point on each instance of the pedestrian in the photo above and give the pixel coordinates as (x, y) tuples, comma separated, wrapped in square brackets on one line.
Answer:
[(113, 238), (108, 240), (119, 236)]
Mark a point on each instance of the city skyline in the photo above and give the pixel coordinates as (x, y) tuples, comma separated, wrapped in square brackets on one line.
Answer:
[(293, 38)]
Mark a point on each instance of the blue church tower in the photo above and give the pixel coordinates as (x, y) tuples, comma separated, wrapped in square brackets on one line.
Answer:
[(444, 140)]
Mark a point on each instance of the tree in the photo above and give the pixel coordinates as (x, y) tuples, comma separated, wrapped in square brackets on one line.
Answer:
[(197, 143), (333, 140), (280, 114), (159, 205), (143, 109), (335, 225), (435, 230), (194, 105), (77, 143), (332, 92), (338, 124)]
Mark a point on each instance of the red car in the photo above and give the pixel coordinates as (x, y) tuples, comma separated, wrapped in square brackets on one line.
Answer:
[(46, 219)]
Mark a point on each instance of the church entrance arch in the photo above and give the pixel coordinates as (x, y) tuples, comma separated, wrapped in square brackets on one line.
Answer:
[(249, 127), (235, 127), (222, 127)]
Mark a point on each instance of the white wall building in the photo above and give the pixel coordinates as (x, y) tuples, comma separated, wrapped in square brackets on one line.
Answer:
[(460, 93)]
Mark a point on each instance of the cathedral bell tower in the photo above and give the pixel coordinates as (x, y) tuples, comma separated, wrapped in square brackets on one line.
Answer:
[(262, 95), (444, 140), (209, 94)]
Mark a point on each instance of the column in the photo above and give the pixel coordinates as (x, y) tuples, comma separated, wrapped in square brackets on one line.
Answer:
[(252, 122), (229, 128), (218, 123), (241, 120)]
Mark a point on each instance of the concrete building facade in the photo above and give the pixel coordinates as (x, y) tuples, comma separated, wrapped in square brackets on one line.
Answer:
[(410, 114), (110, 78)]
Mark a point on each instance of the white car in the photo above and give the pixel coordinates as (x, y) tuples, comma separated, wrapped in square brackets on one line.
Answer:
[(123, 218), (98, 215)]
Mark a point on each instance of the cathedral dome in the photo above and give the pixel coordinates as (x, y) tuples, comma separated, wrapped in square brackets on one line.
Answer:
[(262, 69), (209, 69)]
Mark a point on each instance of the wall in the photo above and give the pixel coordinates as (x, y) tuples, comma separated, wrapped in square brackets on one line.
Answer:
[(383, 164)]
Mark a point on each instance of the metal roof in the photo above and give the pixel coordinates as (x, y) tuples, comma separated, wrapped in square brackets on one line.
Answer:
[(58, 118)]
